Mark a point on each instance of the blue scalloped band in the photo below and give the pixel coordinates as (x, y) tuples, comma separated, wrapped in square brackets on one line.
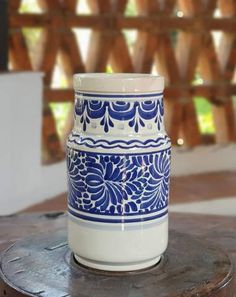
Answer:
[(137, 114)]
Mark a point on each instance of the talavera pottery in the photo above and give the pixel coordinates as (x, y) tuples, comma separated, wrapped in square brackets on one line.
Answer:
[(118, 158)]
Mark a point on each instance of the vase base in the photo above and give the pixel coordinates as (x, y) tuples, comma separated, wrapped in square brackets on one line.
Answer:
[(111, 266)]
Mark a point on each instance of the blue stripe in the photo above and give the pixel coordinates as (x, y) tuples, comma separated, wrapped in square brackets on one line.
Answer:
[(116, 214), (102, 220), (118, 154), (119, 96)]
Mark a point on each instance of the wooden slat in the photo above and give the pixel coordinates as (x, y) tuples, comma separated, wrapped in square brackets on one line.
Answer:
[(19, 52), (49, 47), (99, 50), (17, 45), (71, 61), (173, 118), (230, 115), (14, 5), (172, 93), (211, 71), (100, 40), (187, 52), (193, 50), (3, 35), (166, 23), (46, 59), (49, 43), (99, 7), (69, 123), (189, 125), (69, 50), (70, 54), (228, 7), (145, 45), (120, 58), (168, 6), (227, 60), (167, 66), (69, 5), (51, 146), (21, 61), (144, 52)]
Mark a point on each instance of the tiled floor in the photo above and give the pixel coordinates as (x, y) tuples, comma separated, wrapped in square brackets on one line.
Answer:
[(185, 192)]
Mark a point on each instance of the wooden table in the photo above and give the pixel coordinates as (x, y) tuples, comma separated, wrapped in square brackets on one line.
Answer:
[(220, 231)]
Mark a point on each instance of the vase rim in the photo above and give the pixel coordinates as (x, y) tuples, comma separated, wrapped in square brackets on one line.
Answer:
[(118, 82)]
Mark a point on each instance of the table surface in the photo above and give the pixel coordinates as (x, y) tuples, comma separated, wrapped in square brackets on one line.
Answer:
[(219, 230)]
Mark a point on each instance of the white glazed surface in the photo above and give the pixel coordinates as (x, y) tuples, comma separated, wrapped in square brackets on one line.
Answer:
[(122, 247), (112, 245), (118, 82), (120, 267)]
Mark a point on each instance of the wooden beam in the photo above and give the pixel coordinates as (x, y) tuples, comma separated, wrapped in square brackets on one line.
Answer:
[(178, 61), (145, 45), (99, 51), (227, 60), (151, 24), (167, 65), (19, 54), (171, 93), (3, 35), (50, 142), (210, 71), (120, 56), (71, 62), (101, 41), (187, 53)]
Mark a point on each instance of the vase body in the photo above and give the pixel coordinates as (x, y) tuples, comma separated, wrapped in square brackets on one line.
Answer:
[(118, 162)]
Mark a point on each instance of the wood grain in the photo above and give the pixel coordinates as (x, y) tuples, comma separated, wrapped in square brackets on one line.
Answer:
[(191, 231)]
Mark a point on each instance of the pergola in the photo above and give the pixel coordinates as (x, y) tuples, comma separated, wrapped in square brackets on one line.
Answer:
[(193, 50)]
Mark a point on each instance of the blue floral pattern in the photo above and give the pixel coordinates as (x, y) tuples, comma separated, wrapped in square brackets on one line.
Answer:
[(115, 184), (135, 113)]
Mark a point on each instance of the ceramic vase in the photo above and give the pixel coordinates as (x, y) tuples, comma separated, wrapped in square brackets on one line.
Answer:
[(118, 162)]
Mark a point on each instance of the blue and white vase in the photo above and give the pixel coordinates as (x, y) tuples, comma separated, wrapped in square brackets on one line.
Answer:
[(118, 160)]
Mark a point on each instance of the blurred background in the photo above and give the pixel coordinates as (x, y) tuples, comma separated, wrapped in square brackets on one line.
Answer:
[(191, 42)]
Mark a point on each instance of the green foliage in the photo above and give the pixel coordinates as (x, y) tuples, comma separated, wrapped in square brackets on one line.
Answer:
[(130, 9), (173, 37), (130, 36), (204, 114), (60, 112), (197, 79), (31, 35), (234, 102), (109, 69), (29, 6)]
